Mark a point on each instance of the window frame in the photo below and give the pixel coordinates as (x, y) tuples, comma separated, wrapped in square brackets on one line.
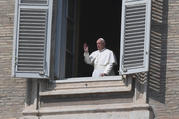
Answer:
[(88, 85), (63, 14), (61, 27)]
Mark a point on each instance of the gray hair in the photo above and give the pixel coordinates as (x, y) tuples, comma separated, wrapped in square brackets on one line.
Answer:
[(101, 39)]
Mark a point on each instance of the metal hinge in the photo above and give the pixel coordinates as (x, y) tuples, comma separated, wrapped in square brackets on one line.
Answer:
[(16, 60)]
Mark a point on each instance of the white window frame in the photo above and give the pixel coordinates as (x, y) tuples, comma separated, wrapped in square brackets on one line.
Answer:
[(61, 71), (61, 35)]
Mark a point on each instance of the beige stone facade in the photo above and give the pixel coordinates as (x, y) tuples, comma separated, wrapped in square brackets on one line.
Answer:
[(12, 91), (162, 94)]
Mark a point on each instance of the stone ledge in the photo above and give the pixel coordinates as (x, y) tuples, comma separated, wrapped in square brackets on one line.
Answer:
[(88, 84), (87, 109), (86, 91), (88, 87), (88, 79)]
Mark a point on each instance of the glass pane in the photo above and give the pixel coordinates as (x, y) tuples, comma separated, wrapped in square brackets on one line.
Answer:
[(70, 40)]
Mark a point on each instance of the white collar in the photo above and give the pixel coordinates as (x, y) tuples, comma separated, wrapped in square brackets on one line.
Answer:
[(102, 50)]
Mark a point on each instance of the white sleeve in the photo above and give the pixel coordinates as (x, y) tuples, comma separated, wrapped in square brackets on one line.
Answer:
[(108, 68), (112, 61), (87, 58)]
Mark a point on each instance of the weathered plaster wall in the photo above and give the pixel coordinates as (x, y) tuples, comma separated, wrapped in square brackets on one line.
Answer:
[(164, 59), (12, 91), (164, 67)]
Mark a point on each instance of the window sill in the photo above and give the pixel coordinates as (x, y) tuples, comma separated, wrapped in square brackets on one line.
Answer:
[(87, 109), (89, 79), (89, 85)]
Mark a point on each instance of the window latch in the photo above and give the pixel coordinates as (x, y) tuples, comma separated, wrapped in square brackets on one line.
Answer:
[(124, 70), (41, 73)]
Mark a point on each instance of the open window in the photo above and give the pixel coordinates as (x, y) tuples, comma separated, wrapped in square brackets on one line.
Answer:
[(125, 26), (86, 21)]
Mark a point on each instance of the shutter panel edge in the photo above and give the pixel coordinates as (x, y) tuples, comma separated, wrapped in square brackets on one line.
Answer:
[(14, 38), (146, 41), (47, 47)]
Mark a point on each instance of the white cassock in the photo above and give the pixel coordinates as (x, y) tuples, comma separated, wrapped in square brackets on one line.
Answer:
[(102, 61)]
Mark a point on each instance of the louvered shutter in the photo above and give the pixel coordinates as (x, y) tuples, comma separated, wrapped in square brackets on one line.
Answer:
[(32, 38), (135, 36)]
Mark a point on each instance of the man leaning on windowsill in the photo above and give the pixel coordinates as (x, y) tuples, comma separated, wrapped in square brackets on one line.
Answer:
[(102, 59)]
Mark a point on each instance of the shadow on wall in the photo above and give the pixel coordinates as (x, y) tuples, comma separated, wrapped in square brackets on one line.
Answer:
[(158, 50)]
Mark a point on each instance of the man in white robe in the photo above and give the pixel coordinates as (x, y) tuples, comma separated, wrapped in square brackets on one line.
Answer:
[(102, 59)]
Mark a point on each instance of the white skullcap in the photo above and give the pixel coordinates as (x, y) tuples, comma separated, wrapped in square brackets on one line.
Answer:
[(101, 39)]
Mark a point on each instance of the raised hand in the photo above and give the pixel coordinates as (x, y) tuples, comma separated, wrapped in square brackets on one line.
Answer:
[(85, 47)]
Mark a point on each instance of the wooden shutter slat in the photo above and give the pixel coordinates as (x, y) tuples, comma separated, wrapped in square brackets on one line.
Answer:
[(31, 58), (133, 65), (133, 0), (134, 37), (135, 29), (138, 25), (35, 2)]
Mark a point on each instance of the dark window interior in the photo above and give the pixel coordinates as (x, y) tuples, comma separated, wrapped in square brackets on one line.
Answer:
[(99, 18), (88, 20)]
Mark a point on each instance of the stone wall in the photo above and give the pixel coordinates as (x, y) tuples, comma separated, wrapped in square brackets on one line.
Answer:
[(163, 90), (164, 59), (12, 91)]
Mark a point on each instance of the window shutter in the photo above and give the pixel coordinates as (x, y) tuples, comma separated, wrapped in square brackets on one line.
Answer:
[(135, 36), (35, 2), (32, 38)]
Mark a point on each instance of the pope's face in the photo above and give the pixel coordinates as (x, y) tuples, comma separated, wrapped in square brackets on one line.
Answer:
[(100, 44)]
